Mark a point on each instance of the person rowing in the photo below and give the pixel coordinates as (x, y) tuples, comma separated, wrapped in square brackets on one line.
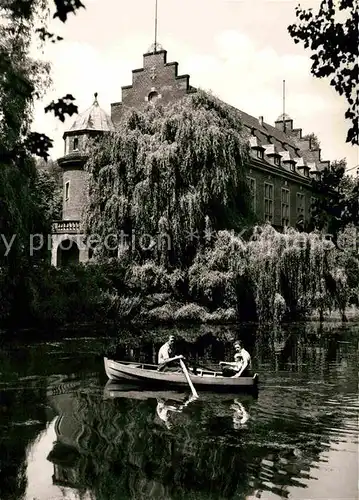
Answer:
[(165, 354), (165, 358), (241, 365)]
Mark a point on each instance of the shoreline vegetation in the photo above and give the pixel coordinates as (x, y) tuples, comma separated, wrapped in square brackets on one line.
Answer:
[(271, 278), (189, 330)]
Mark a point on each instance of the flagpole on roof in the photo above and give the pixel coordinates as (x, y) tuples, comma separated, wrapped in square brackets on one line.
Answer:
[(155, 47)]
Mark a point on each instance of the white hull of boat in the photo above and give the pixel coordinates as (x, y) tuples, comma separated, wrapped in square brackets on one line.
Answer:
[(142, 373)]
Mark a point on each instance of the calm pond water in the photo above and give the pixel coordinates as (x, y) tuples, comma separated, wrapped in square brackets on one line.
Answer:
[(65, 434)]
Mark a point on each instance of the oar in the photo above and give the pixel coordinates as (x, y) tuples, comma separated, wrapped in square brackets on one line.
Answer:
[(185, 371)]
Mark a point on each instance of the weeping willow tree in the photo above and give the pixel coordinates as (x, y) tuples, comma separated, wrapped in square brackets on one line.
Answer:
[(291, 270), (163, 172), (216, 272), (287, 273)]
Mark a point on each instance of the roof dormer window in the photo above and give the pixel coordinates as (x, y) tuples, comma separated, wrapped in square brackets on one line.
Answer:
[(260, 154), (292, 167), (277, 160)]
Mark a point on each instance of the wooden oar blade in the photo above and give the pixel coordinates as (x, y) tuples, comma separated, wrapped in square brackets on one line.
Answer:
[(185, 371)]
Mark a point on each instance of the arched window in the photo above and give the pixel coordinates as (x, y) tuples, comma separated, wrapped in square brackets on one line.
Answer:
[(68, 253), (153, 96)]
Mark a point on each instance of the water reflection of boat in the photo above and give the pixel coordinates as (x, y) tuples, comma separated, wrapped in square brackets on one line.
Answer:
[(120, 447), (164, 409), (170, 402), (203, 379), (240, 415), (115, 389)]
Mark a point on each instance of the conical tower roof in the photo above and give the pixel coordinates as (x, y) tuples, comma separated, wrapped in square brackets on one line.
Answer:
[(94, 118)]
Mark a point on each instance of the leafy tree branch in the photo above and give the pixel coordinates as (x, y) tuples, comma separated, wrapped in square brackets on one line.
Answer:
[(332, 35)]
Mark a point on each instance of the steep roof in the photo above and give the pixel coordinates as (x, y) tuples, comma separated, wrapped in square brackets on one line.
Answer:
[(94, 118), (269, 135), (266, 134)]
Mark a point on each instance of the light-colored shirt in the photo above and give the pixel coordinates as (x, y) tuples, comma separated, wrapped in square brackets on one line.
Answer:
[(164, 353), (243, 356)]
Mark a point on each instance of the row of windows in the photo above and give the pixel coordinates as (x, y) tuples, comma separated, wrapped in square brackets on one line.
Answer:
[(285, 202)]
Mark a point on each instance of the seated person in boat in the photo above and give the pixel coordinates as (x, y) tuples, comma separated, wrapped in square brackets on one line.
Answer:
[(165, 355), (241, 365)]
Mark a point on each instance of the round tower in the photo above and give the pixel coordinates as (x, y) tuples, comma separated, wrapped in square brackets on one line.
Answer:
[(67, 234), (90, 123)]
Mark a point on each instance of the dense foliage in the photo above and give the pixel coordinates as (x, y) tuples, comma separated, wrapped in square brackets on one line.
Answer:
[(332, 35), (270, 278), (173, 174), (338, 202), (26, 197)]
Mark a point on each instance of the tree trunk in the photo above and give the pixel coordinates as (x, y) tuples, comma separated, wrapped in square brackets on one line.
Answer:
[(321, 315)]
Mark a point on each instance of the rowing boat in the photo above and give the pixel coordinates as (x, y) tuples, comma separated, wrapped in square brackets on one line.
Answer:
[(202, 379)]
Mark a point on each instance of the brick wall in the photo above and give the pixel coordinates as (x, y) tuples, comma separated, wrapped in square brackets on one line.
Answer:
[(82, 139), (69, 142), (77, 190)]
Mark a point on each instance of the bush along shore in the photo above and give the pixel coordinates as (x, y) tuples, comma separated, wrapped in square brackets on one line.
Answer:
[(272, 277)]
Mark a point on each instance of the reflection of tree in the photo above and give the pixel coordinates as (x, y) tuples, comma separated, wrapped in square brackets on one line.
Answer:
[(25, 373), (303, 349), (119, 449), (123, 452), (20, 424)]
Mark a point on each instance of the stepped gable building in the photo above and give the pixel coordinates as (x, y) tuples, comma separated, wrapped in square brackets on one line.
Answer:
[(282, 162)]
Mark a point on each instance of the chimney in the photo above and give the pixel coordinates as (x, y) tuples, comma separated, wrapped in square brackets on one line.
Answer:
[(260, 119)]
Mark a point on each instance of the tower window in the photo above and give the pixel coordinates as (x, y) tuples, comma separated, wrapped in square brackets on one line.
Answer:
[(67, 191), (76, 144)]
